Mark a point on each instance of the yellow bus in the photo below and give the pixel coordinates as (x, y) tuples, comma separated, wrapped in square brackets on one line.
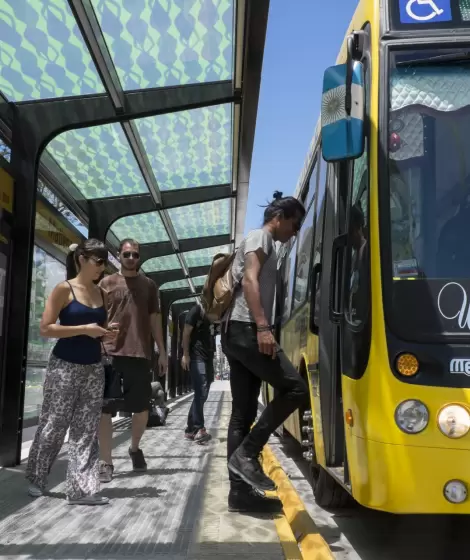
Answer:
[(375, 302)]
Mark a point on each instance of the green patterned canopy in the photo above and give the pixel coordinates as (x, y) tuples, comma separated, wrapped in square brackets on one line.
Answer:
[(153, 43), (190, 148), (168, 179)]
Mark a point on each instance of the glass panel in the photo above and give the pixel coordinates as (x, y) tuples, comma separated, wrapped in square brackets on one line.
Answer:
[(99, 161), (357, 292), (312, 183), (429, 194), (429, 164), (5, 150), (465, 9), (190, 148), (199, 280), (186, 300), (303, 258), (289, 279), (47, 273), (203, 257), (175, 285), (62, 208), (156, 43), (144, 228), (42, 53), (201, 220), (157, 264)]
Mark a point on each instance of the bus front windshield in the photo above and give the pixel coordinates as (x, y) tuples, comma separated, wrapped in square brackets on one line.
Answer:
[(429, 192)]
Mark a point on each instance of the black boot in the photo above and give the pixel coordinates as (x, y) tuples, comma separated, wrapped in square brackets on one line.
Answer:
[(247, 500), (250, 471)]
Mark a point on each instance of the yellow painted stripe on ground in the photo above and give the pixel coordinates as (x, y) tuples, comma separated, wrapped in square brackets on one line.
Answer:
[(287, 538), (311, 544)]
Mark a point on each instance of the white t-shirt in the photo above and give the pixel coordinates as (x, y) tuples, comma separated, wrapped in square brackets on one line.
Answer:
[(256, 239)]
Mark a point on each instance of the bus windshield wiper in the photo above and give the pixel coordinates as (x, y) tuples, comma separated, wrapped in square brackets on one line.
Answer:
[(462, 56)]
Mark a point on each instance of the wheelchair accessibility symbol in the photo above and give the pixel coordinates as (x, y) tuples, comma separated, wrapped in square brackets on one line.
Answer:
[(422, 11), (433, 10)]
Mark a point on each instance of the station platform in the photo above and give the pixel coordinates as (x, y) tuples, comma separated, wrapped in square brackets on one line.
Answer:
[(176, 510)]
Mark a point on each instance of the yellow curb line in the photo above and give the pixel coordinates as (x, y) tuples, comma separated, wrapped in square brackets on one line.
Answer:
[(310, 543), (287, 538)]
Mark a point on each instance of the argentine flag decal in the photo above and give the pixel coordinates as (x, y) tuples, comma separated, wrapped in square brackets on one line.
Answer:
[(342, 135)]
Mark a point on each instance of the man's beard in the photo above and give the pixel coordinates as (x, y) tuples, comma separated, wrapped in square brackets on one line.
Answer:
[(130, 268)]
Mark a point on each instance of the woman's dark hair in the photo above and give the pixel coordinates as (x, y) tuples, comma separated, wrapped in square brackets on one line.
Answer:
[(287, 207), (88, 248)]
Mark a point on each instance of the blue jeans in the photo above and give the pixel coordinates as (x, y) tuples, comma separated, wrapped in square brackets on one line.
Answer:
[(202, 375)]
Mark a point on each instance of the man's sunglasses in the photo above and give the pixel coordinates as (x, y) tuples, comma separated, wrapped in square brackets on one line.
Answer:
[(129, 254)]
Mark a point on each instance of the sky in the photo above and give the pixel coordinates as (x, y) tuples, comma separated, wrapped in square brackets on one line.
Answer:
[(303, 39)]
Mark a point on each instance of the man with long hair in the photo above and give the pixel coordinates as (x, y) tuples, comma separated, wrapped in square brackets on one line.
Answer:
[(254, 356)]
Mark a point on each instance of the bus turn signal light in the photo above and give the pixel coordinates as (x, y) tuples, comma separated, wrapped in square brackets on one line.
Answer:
[(349, 418), (407, 365)]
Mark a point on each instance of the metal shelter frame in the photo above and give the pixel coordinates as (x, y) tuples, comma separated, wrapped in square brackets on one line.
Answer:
[(29, 126)]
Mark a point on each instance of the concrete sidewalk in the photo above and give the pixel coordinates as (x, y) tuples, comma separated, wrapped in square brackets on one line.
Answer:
[(177, 510)]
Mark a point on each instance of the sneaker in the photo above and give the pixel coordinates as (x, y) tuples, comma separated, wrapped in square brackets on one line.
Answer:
[(189, 436), (93, 500), (250, 471), (249, 501), (138, 460), (202, 436), (34, 491), (106, 472)]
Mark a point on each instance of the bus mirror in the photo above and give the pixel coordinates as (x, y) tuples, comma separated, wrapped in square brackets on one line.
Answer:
[(342, 112)]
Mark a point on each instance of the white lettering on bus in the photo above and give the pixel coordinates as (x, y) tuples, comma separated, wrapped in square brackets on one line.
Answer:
[(460, 365), (463, 312)]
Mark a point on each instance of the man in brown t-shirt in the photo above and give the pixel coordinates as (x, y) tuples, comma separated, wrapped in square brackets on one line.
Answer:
[(133, 306)]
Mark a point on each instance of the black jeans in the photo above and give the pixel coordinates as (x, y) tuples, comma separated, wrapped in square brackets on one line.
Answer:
[(248, 368), (202, 375)]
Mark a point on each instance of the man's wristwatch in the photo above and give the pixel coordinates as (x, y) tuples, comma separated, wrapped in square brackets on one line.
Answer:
[(263, 328)]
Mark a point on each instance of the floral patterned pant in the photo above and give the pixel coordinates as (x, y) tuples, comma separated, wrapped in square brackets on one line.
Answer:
[(73, 397)]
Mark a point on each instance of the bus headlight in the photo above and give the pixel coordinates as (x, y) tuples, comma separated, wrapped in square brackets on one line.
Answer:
[(412, 416), (455, 491), (454, 421)]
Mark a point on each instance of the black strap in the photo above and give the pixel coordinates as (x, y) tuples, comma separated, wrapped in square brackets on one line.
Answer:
[(102, 296), (71, 289)]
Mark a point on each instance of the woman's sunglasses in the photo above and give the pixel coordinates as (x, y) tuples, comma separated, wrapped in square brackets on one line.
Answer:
[(99, 262), (129, 254)]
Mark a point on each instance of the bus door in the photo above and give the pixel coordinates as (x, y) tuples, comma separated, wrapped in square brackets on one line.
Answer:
[(344, 327), (327, 297)]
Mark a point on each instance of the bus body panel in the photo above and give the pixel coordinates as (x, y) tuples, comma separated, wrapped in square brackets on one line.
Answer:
[(388, 469), (405, 479)]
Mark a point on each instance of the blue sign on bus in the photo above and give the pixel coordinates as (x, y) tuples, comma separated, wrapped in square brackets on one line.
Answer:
[(425, 11)]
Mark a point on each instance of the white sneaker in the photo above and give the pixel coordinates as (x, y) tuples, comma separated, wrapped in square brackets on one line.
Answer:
[(93, 500), (34, 491)]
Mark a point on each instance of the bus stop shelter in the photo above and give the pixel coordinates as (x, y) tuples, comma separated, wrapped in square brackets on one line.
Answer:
[(140, 116)]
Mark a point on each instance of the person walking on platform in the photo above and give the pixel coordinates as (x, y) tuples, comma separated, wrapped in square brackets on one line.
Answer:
[(198, 359), (74, 383), (254, 356), (133, 303)]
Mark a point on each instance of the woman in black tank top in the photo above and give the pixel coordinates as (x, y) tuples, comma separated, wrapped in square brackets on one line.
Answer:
[(74, 382)]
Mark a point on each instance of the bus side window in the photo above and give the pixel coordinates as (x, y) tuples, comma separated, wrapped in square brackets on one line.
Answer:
[(289, 278), (318, 237), (357, 290), (305, 240)]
